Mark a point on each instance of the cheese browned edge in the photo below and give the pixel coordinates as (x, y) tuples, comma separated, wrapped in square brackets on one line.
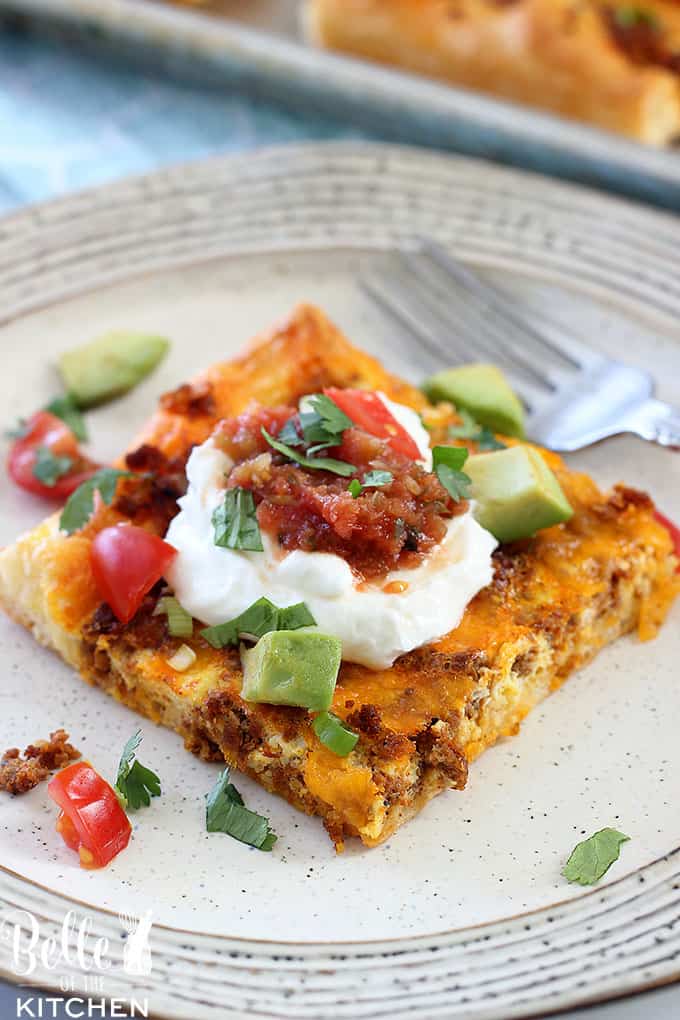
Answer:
[(555, 600), (558, 55)]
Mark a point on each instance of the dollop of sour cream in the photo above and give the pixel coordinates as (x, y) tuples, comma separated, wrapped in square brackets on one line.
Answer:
[(375, 622)]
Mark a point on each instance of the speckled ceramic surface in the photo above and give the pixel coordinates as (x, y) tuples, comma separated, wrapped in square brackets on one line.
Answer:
[(462, 913)]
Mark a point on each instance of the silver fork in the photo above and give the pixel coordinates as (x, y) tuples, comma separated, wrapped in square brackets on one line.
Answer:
[(574, 396)]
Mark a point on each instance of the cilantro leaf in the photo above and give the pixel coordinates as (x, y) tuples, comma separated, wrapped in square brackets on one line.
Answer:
[(322, 421), (447, 462), (69, 412), (258, 619), (294, 617), (376, 479), (337, 467), (372, 479), (20, 430), (80, 505), (486, 440), (141, 784), (470, 429), (291, 433), (235, 522), (319, 425), (593, 857), (135, 783), (226, 812), (49, 468), (127, 757)]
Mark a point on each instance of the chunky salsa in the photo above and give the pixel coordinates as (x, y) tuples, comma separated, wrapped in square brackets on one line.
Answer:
[(385, 527)]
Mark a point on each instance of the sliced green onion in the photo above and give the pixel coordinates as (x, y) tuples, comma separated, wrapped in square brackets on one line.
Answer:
[(333, 733), (180, 623), (182, 659)]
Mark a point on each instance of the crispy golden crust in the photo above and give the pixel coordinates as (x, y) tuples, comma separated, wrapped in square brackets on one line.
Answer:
[(569, 56), (554, 601)]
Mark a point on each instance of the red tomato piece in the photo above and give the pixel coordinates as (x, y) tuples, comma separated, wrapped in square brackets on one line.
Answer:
[(368, 412), (68, 831), (126, 562), (46, 430), (672, 530), (91, 820)]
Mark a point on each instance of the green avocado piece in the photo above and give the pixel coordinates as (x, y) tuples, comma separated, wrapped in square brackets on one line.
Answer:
[(292, 667), (110, 365), (482, 390), (515, 492)]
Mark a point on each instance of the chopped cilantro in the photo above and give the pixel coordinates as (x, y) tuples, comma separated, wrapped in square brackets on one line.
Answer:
[(337, 467), (20, 430), (376, 479), (80, 505), (135, 783), (67, 409), (318, 426), (323, 422), (593, 857), (235, 522), (486, 440), (470, 429), (226, 812), (295, 616), (291, 433), (372, 480), (48, 468), (257, 620), (447, 462)]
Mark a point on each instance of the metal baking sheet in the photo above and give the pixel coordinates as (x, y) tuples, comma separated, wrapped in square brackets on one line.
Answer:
[(258, 45)]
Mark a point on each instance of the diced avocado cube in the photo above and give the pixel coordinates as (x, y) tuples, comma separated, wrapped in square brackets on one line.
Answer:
[(110, 365), (484, 392), (292, 667), (516, 493)]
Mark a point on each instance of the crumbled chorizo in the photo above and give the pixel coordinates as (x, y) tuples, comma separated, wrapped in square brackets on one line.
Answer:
[(19, 774), (192, 400)]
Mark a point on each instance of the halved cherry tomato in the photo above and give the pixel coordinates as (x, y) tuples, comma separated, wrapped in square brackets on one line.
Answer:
[(672, 530), (126, 562), (91, 820), (45, 429), (368, 412)]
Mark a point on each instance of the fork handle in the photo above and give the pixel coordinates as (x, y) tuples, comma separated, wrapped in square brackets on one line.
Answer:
[(658, 422)]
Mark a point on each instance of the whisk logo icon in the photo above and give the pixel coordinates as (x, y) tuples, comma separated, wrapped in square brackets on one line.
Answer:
[(137, 952)]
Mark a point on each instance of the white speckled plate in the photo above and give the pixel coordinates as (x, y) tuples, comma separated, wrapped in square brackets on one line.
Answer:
[(463, 913)]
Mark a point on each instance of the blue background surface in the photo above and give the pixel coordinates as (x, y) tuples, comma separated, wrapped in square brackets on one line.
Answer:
[(70, 120)]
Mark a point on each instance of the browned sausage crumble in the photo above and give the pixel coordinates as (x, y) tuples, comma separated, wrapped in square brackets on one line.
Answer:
[(20, 774)]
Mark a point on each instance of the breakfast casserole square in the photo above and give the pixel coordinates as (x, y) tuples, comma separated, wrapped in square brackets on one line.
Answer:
[(337, 617)]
